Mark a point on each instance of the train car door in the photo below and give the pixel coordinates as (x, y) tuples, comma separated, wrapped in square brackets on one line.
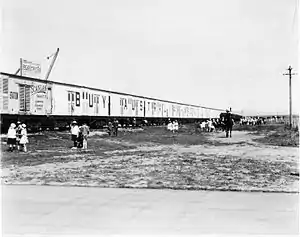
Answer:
[(24, 92), (71, 102)]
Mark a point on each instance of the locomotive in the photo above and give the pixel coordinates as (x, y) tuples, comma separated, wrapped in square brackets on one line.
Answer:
[(44, 104)]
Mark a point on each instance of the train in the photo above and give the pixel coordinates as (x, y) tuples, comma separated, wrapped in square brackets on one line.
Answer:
[(44, 104)]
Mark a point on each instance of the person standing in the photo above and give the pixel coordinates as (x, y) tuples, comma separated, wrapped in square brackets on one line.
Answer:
[(18, 130), (110, 128), (85, 131), (116, 125), (24, 138), (74, 133), (11, 137), (176, 126)]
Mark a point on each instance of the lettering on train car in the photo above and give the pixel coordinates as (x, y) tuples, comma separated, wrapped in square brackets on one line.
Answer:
[(153, 106), (125, 103), (104, 100), (77, 99), (141, 105), (35, 89), (91, 101), (39, 104)]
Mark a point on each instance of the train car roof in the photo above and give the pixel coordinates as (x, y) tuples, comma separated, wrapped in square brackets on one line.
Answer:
[(107, 91)]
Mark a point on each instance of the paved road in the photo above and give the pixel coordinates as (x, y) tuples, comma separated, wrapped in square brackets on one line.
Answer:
[(37, 210)]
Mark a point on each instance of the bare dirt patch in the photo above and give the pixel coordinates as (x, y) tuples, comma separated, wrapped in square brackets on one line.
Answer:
[(155, 158)]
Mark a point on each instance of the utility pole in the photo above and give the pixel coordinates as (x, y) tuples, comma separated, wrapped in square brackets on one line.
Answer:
[(290, 90)]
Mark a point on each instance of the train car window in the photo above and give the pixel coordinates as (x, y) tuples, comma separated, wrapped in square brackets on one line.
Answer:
[(5, 86), (83, 95), (97, 99), (69, 96), (86, 95), (72, 97)]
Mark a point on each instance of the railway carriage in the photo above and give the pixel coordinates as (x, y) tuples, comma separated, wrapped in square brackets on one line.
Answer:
[(48, 104)]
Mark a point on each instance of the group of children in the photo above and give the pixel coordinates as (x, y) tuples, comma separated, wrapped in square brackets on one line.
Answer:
[(17, 137), (173, 126)]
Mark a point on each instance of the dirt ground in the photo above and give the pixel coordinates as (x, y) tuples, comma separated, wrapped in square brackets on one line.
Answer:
[(156, 158)]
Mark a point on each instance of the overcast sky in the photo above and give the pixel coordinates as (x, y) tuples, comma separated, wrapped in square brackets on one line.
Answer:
[(213, 53)]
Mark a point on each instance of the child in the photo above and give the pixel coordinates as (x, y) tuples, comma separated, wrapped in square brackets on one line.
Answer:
[(80, 138), (24, 139), (18, 130), (176, 126), (170, 126), (11, 137), (85, 131), (110, 128)]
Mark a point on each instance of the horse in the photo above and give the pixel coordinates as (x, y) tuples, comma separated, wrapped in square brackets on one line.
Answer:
[(228, 124)]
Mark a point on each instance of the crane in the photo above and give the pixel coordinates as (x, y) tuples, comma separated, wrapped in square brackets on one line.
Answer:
[(52, 63)]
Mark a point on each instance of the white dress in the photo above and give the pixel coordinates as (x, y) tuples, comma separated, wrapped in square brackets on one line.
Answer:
[(176, 126), (170, 126), (24, 138)]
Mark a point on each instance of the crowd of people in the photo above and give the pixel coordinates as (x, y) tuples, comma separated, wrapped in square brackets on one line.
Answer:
[(17, 133), (252, 121), (17, 137)]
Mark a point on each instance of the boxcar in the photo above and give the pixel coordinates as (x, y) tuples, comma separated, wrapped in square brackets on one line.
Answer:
[(49, 105)]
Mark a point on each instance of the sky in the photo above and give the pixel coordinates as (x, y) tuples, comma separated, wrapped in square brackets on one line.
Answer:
[(214, 53)]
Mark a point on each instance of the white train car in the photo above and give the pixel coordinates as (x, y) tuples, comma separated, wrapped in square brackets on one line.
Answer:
[(37, 101), (26, 97)]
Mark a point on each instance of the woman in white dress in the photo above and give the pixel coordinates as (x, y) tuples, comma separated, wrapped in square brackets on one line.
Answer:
[(24, 138)]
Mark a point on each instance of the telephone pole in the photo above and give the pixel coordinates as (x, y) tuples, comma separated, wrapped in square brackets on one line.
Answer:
[(290, 90)]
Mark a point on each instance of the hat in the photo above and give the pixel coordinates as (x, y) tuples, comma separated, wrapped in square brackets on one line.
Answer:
[(74, 122), (12, 125), (18, 122), (24, 125)]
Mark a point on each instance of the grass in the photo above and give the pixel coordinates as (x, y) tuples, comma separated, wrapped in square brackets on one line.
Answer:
[(119, 162), (185, 136), (274, 134)]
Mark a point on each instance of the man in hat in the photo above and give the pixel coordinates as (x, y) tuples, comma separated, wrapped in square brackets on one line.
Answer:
[(74, 133), (228, 123)]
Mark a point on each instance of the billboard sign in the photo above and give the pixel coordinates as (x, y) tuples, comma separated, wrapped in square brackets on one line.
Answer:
[(30, 69)]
